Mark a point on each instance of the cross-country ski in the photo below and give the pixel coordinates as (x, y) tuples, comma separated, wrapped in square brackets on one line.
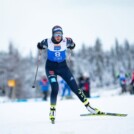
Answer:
[(105, 114)]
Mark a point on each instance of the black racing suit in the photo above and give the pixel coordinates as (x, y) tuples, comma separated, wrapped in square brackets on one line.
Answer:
[(52, 70)]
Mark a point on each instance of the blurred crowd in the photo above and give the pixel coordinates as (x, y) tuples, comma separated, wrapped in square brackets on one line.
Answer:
[(125, 80)]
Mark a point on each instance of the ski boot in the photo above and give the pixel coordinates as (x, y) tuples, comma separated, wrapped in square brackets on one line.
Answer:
[(52, 114), (91, 109)]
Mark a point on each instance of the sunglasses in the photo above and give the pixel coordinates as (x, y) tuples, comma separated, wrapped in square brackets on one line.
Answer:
[(57, 34)]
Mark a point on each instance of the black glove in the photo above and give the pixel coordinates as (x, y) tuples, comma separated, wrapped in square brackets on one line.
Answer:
[(70, 43), (39, 46), (71, 46)]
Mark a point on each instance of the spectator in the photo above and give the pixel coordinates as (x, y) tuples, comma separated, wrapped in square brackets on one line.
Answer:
[(122, 76), (44, 87), (65, 88), (132, 84), (84, 84)]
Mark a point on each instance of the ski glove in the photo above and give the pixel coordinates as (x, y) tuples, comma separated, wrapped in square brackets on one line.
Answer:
[(39, 45), (71, 46), (70, 43)]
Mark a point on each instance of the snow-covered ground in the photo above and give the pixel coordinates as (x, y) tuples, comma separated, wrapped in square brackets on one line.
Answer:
[(32, 117)]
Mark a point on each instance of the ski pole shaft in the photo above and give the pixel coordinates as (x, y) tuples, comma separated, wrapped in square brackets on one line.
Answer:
[(38, 61)]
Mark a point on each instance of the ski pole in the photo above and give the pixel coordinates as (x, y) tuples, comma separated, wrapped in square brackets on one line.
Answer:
[(39, 58)]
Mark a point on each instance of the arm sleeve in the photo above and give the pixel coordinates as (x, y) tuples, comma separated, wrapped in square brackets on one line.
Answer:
[(44, 43)]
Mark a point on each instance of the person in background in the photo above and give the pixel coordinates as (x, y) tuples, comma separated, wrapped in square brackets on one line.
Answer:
[(132, 83), (65, 88), (44, 84), (0, 90), (122, 76), (84, 84)]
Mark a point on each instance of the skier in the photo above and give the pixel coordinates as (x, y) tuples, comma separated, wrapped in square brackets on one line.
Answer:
[(56, 65)]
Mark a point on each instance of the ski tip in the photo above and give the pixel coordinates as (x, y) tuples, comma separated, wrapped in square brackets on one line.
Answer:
[(117, 114)]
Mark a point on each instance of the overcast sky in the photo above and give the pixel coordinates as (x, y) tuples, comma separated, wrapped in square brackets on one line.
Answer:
[(25, 22)]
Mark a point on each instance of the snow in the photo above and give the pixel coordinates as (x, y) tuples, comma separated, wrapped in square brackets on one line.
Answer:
[(32, 117)]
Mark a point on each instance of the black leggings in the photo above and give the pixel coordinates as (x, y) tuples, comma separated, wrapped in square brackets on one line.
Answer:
[(52, 70)]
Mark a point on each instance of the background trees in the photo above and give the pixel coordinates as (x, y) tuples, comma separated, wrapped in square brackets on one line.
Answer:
[(99, 64)]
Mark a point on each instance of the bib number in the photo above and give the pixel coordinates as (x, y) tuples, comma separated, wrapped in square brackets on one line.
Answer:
[(57, 54)]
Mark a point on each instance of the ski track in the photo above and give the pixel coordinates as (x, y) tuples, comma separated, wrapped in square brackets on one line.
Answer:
[(33, 117)]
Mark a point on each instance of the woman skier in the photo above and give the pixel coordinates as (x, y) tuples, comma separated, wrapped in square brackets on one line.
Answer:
[(56, 65)]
